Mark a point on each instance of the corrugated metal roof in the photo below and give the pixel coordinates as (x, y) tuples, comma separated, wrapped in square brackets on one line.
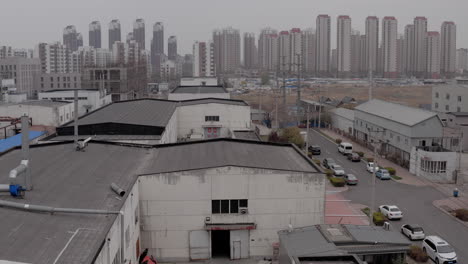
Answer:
[(199, 89), (343, 112), (228, 152), (406, 115), (212, 101), (11, 142), (108, 137), (45, 103), (373, 234)]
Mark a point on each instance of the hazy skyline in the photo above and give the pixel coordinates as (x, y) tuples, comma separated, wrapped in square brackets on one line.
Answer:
[(23, 24)]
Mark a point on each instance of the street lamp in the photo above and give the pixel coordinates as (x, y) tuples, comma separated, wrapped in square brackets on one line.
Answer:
[(373, 174)]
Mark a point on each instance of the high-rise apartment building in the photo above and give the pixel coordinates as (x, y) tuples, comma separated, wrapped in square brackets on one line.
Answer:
[(172, 48), (322, 60), (139, 32), (448, 34), (95, 34), (356, 53), (295, 45), (343, 49), (203, 59), (389, 47), (157, 46), (54, 57), (72, 39), (250, 51), (419, 47), (308, 50), (408, 51), (268, 50), (114, 32), (5, 52), (372, 43), (400, 55), (227, 50), (284, 50), (462, 60), (433, 55)]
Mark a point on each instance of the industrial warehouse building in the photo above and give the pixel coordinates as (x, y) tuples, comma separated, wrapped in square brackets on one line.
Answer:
[(153, 121), (186, 201), (198, 92)]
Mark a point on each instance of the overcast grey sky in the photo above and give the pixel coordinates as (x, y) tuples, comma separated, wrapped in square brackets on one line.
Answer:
[(24, 23)]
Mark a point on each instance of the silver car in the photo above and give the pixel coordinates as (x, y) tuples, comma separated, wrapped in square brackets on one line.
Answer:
[(337, 170)]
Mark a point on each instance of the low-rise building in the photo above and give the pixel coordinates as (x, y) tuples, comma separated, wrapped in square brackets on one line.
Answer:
[(450, 98), (397, 127), (198, 92), (42, 112), (346, 244), (342, 119), (88, 99), (53, 81), (198, 81)]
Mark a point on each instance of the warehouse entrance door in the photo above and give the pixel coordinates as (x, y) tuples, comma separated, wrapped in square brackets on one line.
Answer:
[(220, 244)]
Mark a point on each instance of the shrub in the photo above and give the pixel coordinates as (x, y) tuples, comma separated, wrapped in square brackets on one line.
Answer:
[(391, 170), (370, 159), (378, 218), (461, 214), (337, 182), (366, 211), (418, 254), (338, 141), (329, 172), (317, 161), (360, 153)]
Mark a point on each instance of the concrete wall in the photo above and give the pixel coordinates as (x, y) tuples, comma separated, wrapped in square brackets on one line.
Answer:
[(190, 96), (111, 250), (172, 204), (341, 122), (170, 133), (231, 117), (53, 116), (450, 157)]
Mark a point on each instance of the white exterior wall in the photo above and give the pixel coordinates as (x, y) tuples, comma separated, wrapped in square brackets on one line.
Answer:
[(170, 133), (342, 122), (198, 81), (231, 117), (190, 96), (445, 98), (92, 102), (111, 250), (450, 157), (53, 116), (171, 207)]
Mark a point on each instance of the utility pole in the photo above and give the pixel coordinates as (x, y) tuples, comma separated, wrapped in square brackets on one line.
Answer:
[(307, 135), (373, 175), (284, 82)]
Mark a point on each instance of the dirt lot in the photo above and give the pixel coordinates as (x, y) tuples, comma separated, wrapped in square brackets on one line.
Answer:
[(408, 95)]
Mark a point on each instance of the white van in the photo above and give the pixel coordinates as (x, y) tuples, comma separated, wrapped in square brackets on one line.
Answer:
[(345, 148)]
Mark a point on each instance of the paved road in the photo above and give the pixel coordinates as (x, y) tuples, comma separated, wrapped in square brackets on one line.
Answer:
[(414, 201)]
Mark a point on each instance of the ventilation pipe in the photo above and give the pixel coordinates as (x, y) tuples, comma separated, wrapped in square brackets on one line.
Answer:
[(25, 152), (81, 145), (117, 189), (49, 209)]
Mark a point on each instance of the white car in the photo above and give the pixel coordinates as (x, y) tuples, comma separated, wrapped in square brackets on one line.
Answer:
[(391, 211), (370, 167), (413, 232), (337, 170), (439, 250)]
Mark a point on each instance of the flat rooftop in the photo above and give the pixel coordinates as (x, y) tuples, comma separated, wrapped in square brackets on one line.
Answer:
[(199, 90)]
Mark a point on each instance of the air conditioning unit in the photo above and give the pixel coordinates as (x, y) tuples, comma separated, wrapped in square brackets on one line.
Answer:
[(207, 219), (243, 210)]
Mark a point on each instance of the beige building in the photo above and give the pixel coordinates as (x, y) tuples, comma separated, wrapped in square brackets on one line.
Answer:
[(250, 51), (389, 47), (308, 50), (203, 59), (448, 48), (284, 51), (372, 43), (356, 52), (408, 50), (462, 60), (268, 49), (295, 44), (344, 46), (419, 47), (433, 55), (322, 61), (227, 50)]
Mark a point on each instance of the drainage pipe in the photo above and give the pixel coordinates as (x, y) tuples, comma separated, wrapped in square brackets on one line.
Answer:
[(49, 209), (117, 189)]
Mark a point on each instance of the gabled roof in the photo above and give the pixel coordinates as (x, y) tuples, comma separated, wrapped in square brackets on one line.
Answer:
[(402, 114)]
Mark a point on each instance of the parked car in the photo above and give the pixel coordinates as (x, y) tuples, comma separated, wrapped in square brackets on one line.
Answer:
[(337, 170), (315, 150), (413, 232), (354, 157), (391, 211), (439, 250), (351, 179), (370, 167), (383, 174), (327, 162), (345, 148)]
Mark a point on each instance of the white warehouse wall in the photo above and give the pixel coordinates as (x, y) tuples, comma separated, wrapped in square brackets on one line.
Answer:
[(53, 116), (111, 250), (170, 133), (173, 204), (92, 102), (231, 117)]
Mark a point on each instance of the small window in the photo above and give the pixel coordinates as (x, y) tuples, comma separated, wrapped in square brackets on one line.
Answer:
[(225, 206), (436, 105), (215, 206), (447, 96), (446, 107), (437, 95), (458, 109), (459, 98), (243, 203), (234, 206), (212, 118)]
